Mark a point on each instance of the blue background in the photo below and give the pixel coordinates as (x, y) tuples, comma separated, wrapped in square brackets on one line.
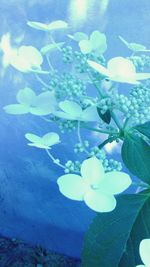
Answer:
[(31, 207)]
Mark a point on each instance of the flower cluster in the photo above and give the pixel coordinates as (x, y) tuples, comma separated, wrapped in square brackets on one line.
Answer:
[(67, 85)]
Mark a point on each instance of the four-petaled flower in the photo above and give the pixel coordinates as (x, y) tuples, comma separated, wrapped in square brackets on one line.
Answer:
[(96, 42), (94, 186), (29, 102), (27, 59), (72, 111), (45, 142), (120, 69), (145, 252)]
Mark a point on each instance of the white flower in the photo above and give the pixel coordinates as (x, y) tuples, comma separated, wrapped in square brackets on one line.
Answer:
[(120, 69), (29, 102), (145, 252), (72, 111), (26, 59), (45, 142), (54, 25), (94, 187), (96, 42)]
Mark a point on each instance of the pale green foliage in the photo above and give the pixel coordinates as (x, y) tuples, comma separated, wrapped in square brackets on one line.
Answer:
[(145, 252), (94, 186), (120, 69), (45, 142), (54, 25), (29, 102)]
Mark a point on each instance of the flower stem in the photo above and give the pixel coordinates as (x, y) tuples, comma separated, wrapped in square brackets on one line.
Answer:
[(80, 139), (100, 130), (56, 161), (108, 140)]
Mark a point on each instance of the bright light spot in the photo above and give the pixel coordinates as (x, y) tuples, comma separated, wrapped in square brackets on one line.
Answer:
[(78, 11), (103, 6), (7, 49)]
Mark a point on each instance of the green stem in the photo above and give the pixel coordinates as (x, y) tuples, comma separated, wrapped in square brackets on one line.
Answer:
[(114, 117), (99, 130), (42, 82), (109, 140)]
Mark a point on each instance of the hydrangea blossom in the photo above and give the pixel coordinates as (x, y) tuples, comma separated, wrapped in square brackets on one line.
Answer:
[(72, 111), (145, 252), (26, 59), (96, 42), (29, 102), (45, 142), (95, 187), (120, 69)]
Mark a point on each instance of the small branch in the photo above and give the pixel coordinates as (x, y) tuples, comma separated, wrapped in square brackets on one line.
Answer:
[(80, 139), (109, 140), (41, 81), (55, 160), (99, 130)]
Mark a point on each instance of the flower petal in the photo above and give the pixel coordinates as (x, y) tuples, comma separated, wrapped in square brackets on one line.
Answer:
[(90, 114), (71, 108), (101, 69), (50, 139), (121, 67), (57, 24), (142, 76), (38, 25), (98, 41), (33, 138), (85, 46), (145, 251), (31, 54), (72, 186), (115, 182), (99, 202), (26, 96), (92, 170), (16, 109)]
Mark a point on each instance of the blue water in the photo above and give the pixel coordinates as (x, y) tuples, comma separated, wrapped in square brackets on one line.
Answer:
[(31, 207)]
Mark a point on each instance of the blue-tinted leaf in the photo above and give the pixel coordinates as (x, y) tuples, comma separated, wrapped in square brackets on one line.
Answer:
[(136, 156), (106, 117), (110, 236), (144, 128)]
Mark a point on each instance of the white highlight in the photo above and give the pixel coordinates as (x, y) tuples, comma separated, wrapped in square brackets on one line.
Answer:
[(7, 49), (78, 11)]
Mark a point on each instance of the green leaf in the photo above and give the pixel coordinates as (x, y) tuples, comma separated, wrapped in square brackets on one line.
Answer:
[(51, 47), (144, 128), (136, 156), (110, 236), (106, 117)]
